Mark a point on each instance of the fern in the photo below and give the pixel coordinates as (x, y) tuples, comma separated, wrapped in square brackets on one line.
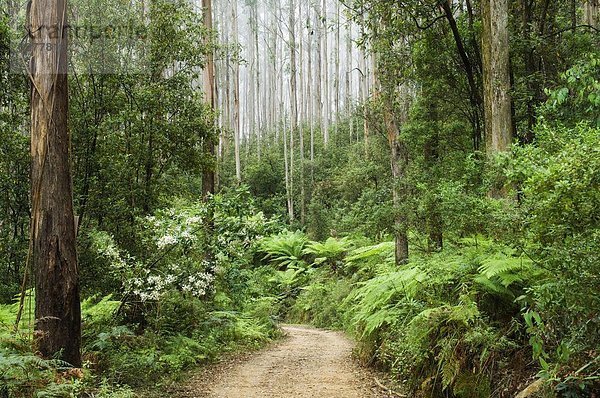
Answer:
[(331, 251), (380, 252), (285, 250), (502, 273), (376, 301)]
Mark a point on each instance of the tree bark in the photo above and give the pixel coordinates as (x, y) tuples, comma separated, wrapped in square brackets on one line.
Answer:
[(293, 99), (399, 164), (236, 94), (57, 305), (319, 70), (326, 104), (497, 72), (591, 13), (208, 173)]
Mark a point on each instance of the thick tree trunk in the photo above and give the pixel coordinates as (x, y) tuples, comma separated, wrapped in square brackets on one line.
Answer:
[(498, 104), (591, 13), (57, 306)]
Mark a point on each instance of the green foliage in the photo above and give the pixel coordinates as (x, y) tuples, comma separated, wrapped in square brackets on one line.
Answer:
[(330, 252), (560, 215), (285, 250), (439, 319), (577, 98)]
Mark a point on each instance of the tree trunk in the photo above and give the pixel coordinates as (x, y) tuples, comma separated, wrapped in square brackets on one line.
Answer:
[(337, 66), (431, 156), (57, 306), (236, 94), (591, 13), (470, 70), (326, 105), (309, 95), (497, 77), (399, 164), (319, 70), (208, 173), (288, 188), (259, 105), (293, 95)]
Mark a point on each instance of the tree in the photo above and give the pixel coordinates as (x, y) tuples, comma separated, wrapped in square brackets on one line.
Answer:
[(57, 306), (325, 76), (591, 13), (496, 72), (208, 175), (236, 92)]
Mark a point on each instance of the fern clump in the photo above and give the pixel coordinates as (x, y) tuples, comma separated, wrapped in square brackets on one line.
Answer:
[(330, 252), (285, 250)]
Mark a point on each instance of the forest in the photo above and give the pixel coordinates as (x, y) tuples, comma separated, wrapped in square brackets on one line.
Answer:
[(416, 183)]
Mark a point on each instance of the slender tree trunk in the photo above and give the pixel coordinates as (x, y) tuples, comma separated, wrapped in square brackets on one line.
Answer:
[(208, 173), (364, 96), (250, 108), (236, 94), (399, 164), (288, 188), (319, 69), (337, 66), (57, 306), (326, 104), (486, 55), (259, 105), (293, 95), (301, 98), (470, 70), (431, 156), (309, 95), (349, 70)]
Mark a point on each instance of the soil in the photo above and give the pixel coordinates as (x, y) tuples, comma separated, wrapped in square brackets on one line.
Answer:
[(308, 362)]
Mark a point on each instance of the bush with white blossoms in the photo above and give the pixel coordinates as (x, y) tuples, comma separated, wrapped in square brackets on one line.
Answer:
[(179, 254)]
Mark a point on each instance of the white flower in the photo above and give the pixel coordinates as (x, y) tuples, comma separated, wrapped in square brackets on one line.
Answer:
[(194, 220), (166, 241)]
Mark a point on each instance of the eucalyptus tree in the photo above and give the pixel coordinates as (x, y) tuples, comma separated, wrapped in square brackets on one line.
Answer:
[(236, 91), (496, 72), (210, 90), (53, 242)]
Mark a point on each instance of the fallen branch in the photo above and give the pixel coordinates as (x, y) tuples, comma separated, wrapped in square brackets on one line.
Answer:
[(531, 389), (387, 389)]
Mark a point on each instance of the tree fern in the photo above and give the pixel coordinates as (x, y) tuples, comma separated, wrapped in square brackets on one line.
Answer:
[(284, 250), (381, 251), (331, 251)]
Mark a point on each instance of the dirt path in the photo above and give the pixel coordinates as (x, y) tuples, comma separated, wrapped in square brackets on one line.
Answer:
[(307, 363)]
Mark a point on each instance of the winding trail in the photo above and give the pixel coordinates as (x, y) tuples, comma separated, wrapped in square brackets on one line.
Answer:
[(307, 363)]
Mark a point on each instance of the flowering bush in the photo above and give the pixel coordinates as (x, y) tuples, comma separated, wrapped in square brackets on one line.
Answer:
[(182, 251)]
